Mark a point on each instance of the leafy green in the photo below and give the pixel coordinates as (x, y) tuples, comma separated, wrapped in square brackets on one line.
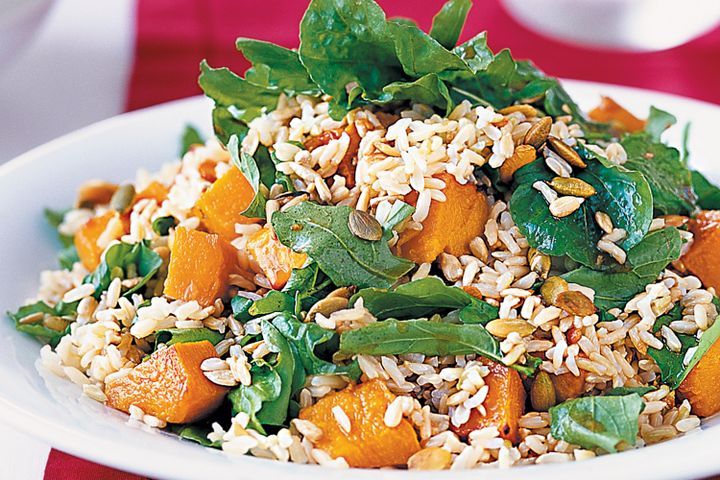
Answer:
[(246, 164), (323, 233), (162, 225), (624, 195), (172, 336), (622, 391), (38, 330), (68, 255), (195, 433), (125, 260), (241, 308), (597, 422), (420, 54), (191, 136), (658, 121), (272, 302), (429, 89), (399, 212), (708, 195), (669, 179), (226, 125), (645, 262), (448, 23)]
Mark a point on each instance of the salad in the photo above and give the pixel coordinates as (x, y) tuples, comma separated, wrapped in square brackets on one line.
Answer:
[(396, 251)]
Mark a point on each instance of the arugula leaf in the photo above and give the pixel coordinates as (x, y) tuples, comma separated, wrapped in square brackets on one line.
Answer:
[(624, 195), (475, 52), (226, 125), (420, 54), (246, 164), (429, 89), (708, 195), (597, 422), (195, 433), (622, 391), (669, 179), (68, 255), (38, 330), (448, 23), (658, 121), (646, 261), (171, 336), (191, 136), (125, 260), (399, 212), (272, 302), (322, 232)]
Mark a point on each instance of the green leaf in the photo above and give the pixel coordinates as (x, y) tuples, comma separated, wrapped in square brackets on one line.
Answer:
[(276, 66), (624, 195), (38, 330), (448, 23), (191, 136), (646, 261), (68, 256), (597, 422), (162, 225), (622, 391), (708, 195), (195, 433), (658, 121), (399, 212), (478, 312), (429, 89), (475, 52), (669, 179), (125, 260), (246, 164), (421, 55), (171, 336), (272, 302), (226, 125), (241, 308), (322, 233)]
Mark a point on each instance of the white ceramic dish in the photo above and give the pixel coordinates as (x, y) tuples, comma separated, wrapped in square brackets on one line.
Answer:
[(53, 409)]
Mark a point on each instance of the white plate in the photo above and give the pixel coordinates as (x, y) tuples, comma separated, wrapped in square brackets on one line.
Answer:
[(53, 410)]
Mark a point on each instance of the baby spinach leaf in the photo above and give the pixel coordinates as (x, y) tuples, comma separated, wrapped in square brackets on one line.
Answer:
[(241, 308), (669, 179), (448, 23), (707, 193), (597, 422), (195, 433), (191, 136), (276, 66), (650, 257), (622, 391), (226, 125), (658, 121), (68, 255), (478, 311), (162, 225), (428, 89), (125, 260), (475, 52), (420, 54), (624, 195), (272, 302), (171, 336), (246, 164), (322, 232), (38, 330), (399, 211)]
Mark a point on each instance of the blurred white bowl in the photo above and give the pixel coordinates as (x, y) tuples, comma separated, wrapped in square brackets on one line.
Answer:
[(19, 21), (643, 25)]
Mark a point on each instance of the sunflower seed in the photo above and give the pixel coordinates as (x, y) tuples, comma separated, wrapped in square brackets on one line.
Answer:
[(564, 206), (431, 458), (604, 221), (538, 133), (566, 152), (365, 226), (572, 186), (539, 262), (32, 318), (502, 327), (94, 192), (123, 197)]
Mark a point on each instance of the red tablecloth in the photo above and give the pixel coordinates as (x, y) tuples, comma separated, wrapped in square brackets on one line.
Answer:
[(174, 35)]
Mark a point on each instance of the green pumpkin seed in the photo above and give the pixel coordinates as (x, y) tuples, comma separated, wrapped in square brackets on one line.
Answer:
[(542, 392), (365, 226), (572, 186), (553, 287), (502, 327), (538, 133), (123, 197), (326, 307), (566, 152)]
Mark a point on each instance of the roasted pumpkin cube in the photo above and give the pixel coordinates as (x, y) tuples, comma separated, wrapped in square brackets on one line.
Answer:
[(369, 443), (450, 225), (222, 204), (169, 385), (700, 385), (86, 239), (609, 111), (702, 258), (154, 190), (271, 258), (504, 404), (200, 264)]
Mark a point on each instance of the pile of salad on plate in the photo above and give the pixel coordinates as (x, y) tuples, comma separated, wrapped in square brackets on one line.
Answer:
[(399, 251)]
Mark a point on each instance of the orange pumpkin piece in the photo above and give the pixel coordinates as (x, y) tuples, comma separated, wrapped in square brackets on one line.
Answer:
[(609, 111), (450, 225), (169, 385), (504, 404), (200, 264), (369, 443), (522, 155), (86, 239), (700, 385), (207, 170), (702, 258), (222, 204), (271, 258), (568, 386), (155, 190)]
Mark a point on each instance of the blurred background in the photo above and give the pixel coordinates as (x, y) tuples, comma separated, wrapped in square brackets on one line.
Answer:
[(67, 63)]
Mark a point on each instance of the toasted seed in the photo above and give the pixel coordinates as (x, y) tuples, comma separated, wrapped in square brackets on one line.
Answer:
[(431, 458), (539, 262), (326, 307), (123, 197), (572, 186), (538, 133), (564, 206), (221, 377), (604, 222), (451, 267), (552, 287), (479, 249), (502, 327), (94, 192), (566, 152), (575, 303), (32, 318), (542, 392), (528, 110), (365, 226), (342, 292), (55, 323)]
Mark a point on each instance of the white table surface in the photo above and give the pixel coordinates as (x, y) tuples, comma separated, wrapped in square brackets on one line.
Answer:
[(74, 73)]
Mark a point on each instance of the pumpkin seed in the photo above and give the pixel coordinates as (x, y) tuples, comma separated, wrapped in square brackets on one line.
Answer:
[(539, 262), (572, 186), (575, 303), (552, 287), (538, 133), (502, 327), (604, 222), (564, 206), (566, 152), (123, 197), (55, 323), (326, 307), (528, 110), (342, 292), (94, 192), (365, 226), (542, 392), (431, 458)]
